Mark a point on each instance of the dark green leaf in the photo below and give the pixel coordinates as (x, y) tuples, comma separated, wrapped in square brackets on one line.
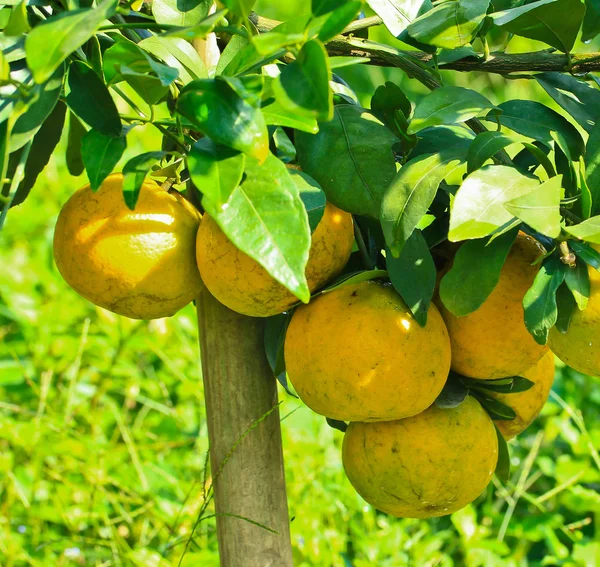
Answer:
[(321, 7), (556, 23), (76, 133), (355, 278), (592, 167), (44, 98), (510, 385), (151, 88), (312, 196), (410, 194), (583, 102), (488, 144), (497, 410), (413, 275), (90, 100), (392, 107), (540, 208), (450, 24), (178, 54), (577, 280), (275, 330), (534, 120), (134, 174), (448, 105), (93, 53), (478, 207), (42, 147), (456, 139), (453, 393), (566, 307), (100, 155), (539, 302), (219, 112), (588, 254), (591, 21), (351, 158), (51, 42), (339, 19), (266, 219), (502, 471), (337, 424), (180, 12), (304, 83), (215, 170), (475, 273)]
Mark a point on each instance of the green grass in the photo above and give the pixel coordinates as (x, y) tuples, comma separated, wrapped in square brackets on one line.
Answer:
[(103, 434)]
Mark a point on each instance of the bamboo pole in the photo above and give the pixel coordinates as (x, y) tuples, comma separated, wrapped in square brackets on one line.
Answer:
[(245, 450)]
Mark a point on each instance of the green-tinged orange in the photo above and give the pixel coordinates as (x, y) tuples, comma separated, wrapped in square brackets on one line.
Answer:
[(242, 284), (357, 354), (528, 404), (493, 342), (140, 263), (579, 347), (432, 464)]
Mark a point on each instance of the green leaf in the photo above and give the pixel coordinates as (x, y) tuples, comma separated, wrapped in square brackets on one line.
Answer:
[(150, 87), (516, 10), (178, 54), (198, 31), (539, 302), (90, 100), (275, 330), (510, 385), (474, 273), (588, 254), (18, 22), (502, 471), (555, 23), (51, 42), (410, 194), (100, 155), (592, 167), (339, 19), (392, 107), (478, 207), (266, 219), (134, 174), (321, 7), (312, 196), (487, 145), (42, 148), (566, 307), (4, 68), (453, 393), (180, 12), (276, 114), (579, 99), (76, 133), (241, 8), (337, 424), (215, 170), (448, 105), (450, 24), (219, 112), (456, 139), (588, 230), (497, 410), (304, 83), (397, 15), (540, 209), (591, 21), (235, 45), (413, 275), (534, 120), (351, 158), (355, 278), (578, 282), (43, 100)]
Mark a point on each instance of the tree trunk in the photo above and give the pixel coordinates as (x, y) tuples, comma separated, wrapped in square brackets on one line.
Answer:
[(248, 473)]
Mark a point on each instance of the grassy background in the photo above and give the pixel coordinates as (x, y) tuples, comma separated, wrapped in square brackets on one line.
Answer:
[(103, 437)]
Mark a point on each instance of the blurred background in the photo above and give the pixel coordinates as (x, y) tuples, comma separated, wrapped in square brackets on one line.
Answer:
[(103, 438)]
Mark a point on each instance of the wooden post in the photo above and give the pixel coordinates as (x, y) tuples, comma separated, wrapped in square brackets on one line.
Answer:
[(239, 388)]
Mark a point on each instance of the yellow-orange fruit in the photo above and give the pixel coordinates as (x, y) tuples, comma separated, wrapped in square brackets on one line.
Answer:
[(528, 404), (493, 342), (242, 284), (140, 263), (579, 347), (357, 354), (432, 464)]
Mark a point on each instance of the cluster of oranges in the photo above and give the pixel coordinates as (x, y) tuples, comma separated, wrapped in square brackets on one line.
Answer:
[(354, 353)]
